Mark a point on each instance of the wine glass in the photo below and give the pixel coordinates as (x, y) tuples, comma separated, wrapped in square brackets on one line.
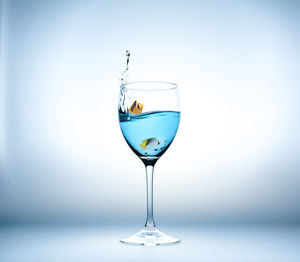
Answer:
[(149, 116)]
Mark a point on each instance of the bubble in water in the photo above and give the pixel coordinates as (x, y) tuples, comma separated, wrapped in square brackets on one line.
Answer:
[(125, 73)]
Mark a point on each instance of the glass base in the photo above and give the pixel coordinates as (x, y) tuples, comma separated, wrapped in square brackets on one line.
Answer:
[(150, 237)]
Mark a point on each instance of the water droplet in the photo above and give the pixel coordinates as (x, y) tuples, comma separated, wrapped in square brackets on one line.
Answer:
[(125, 73)]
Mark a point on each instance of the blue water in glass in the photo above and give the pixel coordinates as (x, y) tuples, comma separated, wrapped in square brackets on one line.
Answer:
[(158, 126)]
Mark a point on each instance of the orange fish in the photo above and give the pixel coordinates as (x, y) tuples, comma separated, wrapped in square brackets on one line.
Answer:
[(136, 108)]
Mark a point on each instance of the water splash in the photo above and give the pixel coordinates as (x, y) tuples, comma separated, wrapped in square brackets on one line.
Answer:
[(125, 74)]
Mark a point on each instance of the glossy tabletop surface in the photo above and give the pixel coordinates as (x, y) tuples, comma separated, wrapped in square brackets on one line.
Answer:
[(100, 243)]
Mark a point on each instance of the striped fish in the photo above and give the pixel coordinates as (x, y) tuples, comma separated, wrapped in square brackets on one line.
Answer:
[(150, 143)]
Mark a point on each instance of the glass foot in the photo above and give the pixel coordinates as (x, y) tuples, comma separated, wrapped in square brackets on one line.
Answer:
[(150, 237)]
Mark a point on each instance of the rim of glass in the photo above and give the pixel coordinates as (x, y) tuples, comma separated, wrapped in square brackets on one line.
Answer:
[(169, 85)]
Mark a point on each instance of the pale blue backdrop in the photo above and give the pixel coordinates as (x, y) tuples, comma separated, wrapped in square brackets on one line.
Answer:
[(236, 157)]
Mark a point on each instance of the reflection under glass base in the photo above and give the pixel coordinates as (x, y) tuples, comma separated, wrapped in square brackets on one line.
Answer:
[(150, 237)]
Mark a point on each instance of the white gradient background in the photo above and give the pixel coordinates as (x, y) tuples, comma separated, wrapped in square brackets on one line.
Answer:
[(236, 156)]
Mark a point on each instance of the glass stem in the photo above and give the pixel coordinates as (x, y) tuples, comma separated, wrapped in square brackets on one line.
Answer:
[(149, 184)]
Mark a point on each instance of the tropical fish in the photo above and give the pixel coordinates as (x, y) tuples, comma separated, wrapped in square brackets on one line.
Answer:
[(136, 108), (150, 143)]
